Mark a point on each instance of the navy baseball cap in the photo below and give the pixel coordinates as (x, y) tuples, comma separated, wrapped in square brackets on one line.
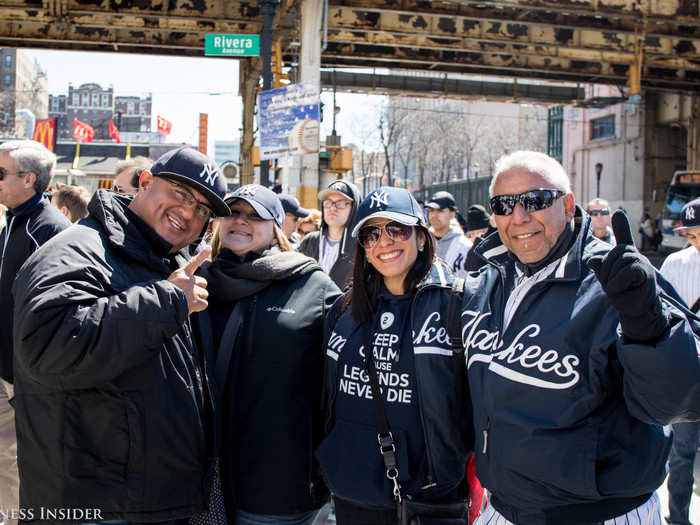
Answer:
[(690, 215), (477, 218), (442, 200), (337, 186), (392, 203), (291, 205), (196, 170), (264, 202)]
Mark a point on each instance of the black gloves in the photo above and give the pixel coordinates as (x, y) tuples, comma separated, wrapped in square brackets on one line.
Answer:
[(629, 280)]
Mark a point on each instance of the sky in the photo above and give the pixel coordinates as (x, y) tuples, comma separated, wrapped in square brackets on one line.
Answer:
[(183, 87)]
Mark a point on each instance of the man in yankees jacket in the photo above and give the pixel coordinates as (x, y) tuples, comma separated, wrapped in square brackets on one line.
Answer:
[(577, 353)]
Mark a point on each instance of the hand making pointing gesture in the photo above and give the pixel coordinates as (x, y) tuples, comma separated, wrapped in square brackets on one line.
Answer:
[(629, 280)]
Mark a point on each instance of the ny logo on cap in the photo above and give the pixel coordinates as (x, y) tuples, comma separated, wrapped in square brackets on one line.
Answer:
[(379, 199), (247, 191), (689, 213), (210, 173)]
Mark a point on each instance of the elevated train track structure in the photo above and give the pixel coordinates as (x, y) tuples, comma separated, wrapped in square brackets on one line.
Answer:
[(560, 40)]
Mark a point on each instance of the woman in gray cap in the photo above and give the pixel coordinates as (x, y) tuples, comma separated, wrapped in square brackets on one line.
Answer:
[(262, 335)]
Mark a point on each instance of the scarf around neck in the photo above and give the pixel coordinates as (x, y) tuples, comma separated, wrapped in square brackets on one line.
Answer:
[(231, 278)]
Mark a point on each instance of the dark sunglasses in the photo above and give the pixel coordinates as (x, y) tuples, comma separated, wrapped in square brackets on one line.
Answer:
[(595, 213), (533, 200), (368, 236)]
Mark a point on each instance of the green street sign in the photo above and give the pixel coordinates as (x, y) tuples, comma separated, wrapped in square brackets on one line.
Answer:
[(232, 45)]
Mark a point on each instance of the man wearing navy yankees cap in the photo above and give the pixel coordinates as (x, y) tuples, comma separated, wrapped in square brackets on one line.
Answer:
[(111, 408), (682, 269), (577, 353), (292, 213)]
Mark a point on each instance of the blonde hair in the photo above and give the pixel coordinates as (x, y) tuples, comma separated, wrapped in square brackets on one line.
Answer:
[(278, 238), (598, 202), (314, 217)]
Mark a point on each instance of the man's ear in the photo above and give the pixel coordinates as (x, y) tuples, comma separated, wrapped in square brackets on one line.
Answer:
[(145, 180), (65, 211), (29, 179), (569, 205)]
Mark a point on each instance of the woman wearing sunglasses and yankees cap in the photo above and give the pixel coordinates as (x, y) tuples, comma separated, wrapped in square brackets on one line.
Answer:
[(263, 334), (410, 443)]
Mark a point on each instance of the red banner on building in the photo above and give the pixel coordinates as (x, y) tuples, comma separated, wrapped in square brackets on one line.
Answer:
[(82, 131), (114, 131), (164, 126), (45, 132), (203, 132)]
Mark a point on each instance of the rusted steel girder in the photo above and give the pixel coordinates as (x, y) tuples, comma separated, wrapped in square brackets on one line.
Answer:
[(142, 26)]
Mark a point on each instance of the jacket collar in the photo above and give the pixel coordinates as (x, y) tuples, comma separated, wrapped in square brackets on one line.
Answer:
[(126, 231), (438, 275), (27, 206)]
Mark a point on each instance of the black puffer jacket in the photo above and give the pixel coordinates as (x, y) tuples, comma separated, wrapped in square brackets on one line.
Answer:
[(109, 394), (28, 227)]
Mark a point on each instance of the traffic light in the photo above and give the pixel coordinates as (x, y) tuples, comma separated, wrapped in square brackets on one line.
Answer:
[(276, 67)]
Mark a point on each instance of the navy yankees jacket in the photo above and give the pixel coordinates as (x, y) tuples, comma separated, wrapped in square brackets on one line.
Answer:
[(567, 411), (448, 437)]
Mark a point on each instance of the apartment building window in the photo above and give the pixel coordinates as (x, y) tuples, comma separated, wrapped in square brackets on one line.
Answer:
[(95, 100), (8, 60), (130, 108), (603, 127), (86, 99), (555, 132), (76, 99), (8, 80), (105, 101)]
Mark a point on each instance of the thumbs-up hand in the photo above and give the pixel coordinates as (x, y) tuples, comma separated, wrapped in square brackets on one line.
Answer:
[(629, 280), (195, 287)]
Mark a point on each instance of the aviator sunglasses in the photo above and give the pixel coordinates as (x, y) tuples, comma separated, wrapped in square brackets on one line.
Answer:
[(533, 200), (594, 213), (368, 236)]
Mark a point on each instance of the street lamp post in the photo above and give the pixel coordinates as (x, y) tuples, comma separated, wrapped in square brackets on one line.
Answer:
[(598, 172), (268, 9)]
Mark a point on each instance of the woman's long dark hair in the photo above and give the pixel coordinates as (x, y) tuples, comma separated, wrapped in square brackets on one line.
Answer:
[(367, 281)]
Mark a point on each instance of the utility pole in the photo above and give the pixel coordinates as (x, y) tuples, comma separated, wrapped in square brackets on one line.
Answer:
[(268, 8)]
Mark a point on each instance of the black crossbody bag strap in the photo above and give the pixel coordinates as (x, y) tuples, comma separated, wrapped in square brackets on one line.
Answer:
[(228, 340), (454, 331), (385, 438), (695, 306)]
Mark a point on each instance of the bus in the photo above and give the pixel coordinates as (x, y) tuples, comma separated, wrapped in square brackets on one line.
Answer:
[(684, 187)]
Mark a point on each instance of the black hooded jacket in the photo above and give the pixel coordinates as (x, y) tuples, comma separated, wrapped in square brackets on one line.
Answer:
[(109, 394), (341, 273), (28, 227)]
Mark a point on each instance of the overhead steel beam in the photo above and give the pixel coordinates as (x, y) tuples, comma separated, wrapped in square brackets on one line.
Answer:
[(435, 30), (174, 27), (451, 88)]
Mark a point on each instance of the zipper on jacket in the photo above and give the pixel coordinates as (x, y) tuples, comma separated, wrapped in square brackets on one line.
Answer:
[(430, 471), (485, 433), (251, 328), (8, 230)]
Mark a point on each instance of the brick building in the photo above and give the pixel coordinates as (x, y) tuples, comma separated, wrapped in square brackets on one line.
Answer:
[(92, 104)]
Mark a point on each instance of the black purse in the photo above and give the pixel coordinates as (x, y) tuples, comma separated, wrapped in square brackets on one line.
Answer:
[(409, 511)]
